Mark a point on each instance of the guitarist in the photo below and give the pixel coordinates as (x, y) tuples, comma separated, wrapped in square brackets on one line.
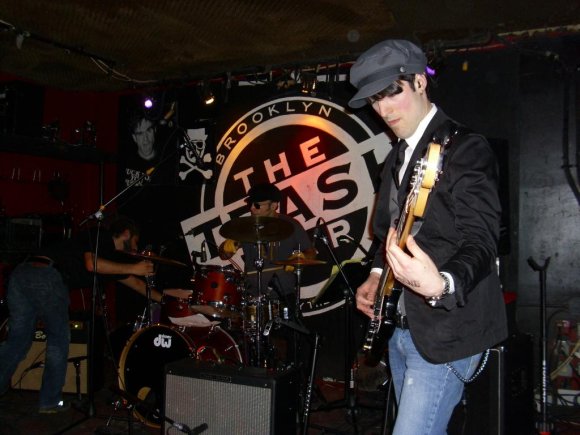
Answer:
[(451, 308)]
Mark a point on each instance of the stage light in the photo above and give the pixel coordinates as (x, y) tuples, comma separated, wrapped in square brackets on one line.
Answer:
[(148, 102), (207, 94), (209, 98), (309, 84)]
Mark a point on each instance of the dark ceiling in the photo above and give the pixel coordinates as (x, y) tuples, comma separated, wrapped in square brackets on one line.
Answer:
[(111, 45)]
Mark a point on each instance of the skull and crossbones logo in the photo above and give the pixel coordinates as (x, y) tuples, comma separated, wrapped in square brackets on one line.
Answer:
[(195, 157)]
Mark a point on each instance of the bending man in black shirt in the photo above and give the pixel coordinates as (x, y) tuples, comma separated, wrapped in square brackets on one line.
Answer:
[(38, 289)]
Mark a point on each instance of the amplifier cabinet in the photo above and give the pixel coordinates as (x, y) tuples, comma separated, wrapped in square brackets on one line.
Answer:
[(28, 373), (500, 400), (231, 400)]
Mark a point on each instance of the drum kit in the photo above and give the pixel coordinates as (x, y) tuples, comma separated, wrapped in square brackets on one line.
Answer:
[(208, 321)]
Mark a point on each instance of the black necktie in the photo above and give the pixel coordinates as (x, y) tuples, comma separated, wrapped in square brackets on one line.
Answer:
[(400, 160)]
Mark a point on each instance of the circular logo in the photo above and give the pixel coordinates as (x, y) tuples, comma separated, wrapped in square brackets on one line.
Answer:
[(323, 159)]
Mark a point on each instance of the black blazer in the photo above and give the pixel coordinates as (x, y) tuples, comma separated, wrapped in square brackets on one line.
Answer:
[(460, 232)]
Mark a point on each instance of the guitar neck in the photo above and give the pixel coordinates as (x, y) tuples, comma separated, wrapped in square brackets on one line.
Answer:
[(387, 281), (425, 175)]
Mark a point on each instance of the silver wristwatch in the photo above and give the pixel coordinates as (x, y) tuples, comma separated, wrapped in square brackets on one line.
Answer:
[(446, 290)]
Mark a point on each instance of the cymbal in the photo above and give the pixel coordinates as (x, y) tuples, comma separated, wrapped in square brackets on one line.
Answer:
[(253, 229), (150, 256), (299, 262), (216, 312)]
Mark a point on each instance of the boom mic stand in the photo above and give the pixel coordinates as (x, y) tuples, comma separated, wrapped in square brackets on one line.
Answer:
[(349, 399), (99, 216)]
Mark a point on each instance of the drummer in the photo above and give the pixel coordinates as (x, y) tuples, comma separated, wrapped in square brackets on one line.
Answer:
[(278, 283)]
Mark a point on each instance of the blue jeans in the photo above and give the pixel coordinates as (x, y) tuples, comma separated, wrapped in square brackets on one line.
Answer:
[(37, 292), (426, 393)]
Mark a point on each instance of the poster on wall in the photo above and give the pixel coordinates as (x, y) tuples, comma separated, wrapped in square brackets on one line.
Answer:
[(150, 192), (197, 152), (147, 142), (323, 158)]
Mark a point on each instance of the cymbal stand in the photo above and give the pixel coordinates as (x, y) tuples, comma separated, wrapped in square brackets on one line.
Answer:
[(299, 328), (259, 264), (150, 284), (349, 399)]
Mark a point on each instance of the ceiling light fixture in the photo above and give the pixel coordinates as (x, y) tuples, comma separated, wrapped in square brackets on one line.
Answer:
[(309, 84), (207, 94), (148, 102)]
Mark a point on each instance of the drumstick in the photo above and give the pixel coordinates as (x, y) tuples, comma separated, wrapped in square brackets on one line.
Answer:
[(270, 269)]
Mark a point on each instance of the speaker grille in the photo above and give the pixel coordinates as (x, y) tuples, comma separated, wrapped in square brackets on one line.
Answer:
[(229, 400), (200, 401)]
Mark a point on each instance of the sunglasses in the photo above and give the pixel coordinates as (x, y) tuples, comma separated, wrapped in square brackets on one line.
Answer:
[(257, 205)]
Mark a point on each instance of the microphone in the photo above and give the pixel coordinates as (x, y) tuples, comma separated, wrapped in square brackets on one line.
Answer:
[(199, 429), (182, 427), (167, 117), (318, 229), (203, 252), (345, 238)]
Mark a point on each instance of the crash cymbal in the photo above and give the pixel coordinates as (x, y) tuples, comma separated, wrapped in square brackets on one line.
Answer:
[(150, 256), (254, 229), (299, 262)]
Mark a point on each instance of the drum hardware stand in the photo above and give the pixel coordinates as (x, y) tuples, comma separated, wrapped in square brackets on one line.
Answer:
[(310, 384), (349, 400), (77, 365), (117, 405), (544, 426), (298, 314), (149, 286), (259, 264)]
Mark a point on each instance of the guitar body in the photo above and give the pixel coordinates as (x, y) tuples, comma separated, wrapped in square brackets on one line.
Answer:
[(378, 344)]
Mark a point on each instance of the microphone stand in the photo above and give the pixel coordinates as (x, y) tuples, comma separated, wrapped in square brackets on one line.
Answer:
[(349, 399), (544, 426), (99, 216)]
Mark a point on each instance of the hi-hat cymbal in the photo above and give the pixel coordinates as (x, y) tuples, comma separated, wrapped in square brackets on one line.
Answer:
[(150, 256), (299, 262), (253, 229)]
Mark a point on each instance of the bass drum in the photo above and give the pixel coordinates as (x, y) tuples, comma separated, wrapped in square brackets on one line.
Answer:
[(143, 360)]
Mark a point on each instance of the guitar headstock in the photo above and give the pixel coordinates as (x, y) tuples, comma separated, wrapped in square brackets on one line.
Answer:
[(425, 175)]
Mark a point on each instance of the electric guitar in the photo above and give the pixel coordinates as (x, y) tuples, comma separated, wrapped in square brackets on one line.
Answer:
[(425, 175)]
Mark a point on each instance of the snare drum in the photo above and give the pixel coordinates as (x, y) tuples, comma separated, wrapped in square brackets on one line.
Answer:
[(269, 310), (218, 291)]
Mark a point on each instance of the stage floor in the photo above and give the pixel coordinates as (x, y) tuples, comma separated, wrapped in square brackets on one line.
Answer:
[(19, 416)]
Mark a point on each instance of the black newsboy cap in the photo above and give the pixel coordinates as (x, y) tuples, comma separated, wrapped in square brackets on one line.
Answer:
[(264, 192), (381, 65)]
